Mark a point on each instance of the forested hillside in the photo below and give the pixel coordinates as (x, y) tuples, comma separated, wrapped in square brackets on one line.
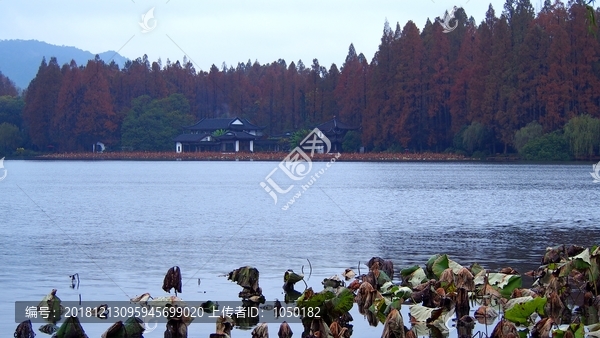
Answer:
[(470, 90)]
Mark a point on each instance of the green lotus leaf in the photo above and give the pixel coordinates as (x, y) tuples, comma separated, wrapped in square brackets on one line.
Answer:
[(332, 305), (71, 328), (413, 276), (514, 282), (519, 310), (51, 305), (378, 308), (383, 278), (581, 262), (316, 300), (476, 269), (409, 271), (429, 266), (577, 330), (342, 302), (292, 277), (388, 288), (505, 284), (133, 326), (523, 333), (403, 292), (439, 265)]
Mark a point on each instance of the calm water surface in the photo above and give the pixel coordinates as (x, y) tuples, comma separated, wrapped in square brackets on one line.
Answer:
[(122, 225)]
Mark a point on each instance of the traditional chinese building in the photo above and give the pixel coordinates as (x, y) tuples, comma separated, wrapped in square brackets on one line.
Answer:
[(219, 135), (335, 131)]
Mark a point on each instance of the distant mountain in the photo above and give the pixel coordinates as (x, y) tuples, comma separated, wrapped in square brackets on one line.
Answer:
[(20, 59)]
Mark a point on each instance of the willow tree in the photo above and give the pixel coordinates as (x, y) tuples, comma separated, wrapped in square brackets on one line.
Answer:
[(583, 134)]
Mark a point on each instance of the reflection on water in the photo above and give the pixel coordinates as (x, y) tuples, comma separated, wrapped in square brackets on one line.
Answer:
[(122, 225)]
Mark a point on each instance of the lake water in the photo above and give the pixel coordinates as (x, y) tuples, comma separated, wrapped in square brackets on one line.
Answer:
[(121, 225)]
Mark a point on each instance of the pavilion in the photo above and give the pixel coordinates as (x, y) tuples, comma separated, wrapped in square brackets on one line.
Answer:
[(219, 135), (335, 131)]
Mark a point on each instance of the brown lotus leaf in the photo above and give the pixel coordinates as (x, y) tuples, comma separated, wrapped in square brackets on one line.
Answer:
[(388, 268), (553, 255), (464, 326), (435, 314), (432, 299), (447, 277), (505, 329), (441, 292), (488, 290), (354, 285), (319, 328), (113, 330), (172, 280), (517, 293), (176, 328), (375, 270), (543, 328), (247, 277), (365, 296), (486, 312), (410, 334), (568, 334), (465, 279), (48, 328), (143, 298), (466, 321), (555, 284), (385, 266), (371, 317), (285, 331), (370, 278), (554, 306), (578, 276), (24, 330), (349, 274), (337, 331), (394, 325), (261, 331), (224, 325), (509, 271), (574, 250), (424, 286)]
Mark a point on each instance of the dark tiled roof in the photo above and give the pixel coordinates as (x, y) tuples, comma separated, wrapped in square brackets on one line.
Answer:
[(237, 135), (334, 124), (223, 123), (230, 135), (191, 138)]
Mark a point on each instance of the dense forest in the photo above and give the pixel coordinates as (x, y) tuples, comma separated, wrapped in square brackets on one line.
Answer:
[(519, 81)]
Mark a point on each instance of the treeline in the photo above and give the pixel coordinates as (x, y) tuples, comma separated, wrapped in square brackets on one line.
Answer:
[(471, 90)]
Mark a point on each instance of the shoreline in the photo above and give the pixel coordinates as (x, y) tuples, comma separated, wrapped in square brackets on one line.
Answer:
[(258, 156)]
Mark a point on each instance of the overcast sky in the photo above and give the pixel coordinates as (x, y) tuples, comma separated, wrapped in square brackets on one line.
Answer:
[(230, 31)]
